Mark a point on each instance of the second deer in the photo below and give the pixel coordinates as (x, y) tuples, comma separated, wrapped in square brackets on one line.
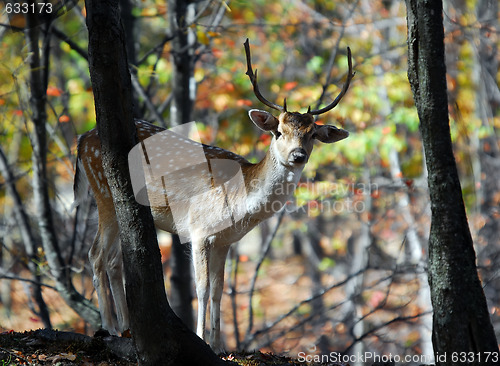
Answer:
[(268, 185)]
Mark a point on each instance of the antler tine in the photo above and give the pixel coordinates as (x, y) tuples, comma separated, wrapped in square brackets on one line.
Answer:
[(336, 101), (253, 80)]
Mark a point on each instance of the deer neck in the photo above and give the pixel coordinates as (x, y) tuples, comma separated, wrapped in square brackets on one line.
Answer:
[(270, 183)]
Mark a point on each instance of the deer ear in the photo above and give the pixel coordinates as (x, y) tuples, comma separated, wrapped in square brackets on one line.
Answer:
[(329, 134), (264, 120)]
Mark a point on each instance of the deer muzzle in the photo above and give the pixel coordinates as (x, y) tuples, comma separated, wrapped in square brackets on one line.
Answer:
[(297, 156)]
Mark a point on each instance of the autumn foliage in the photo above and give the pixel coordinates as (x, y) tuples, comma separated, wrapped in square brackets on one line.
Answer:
[(347, 267)]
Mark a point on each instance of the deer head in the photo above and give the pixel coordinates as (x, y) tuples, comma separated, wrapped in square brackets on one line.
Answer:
[(294, 132)]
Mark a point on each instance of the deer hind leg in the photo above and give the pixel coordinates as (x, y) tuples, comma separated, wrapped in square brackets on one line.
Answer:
[(117, 283), (105, 239), (217, 263)]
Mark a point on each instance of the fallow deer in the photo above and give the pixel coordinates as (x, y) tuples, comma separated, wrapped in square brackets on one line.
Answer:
[(267, 186)]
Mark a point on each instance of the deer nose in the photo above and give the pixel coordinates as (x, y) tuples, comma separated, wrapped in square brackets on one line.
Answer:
[(297, 156)]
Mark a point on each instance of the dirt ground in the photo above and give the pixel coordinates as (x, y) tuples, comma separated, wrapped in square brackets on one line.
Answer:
[(48, 347)]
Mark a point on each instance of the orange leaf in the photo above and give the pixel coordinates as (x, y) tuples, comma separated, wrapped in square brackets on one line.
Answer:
[(54, 91), (386, 130), (290, 85), (243, 102), (213, 34), (64, 118), (217, 52), (244, 258), (266, 139)]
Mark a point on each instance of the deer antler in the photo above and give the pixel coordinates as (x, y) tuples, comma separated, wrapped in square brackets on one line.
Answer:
[(336, 101), (253, 79)]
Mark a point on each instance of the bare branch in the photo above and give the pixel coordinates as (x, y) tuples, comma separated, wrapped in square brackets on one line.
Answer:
[(265, 251), (11, 276)]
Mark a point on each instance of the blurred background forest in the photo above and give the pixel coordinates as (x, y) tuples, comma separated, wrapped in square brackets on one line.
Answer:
[(346, 268)]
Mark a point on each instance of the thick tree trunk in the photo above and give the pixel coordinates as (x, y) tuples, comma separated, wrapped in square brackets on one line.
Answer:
[(159, 336), (461, 321)]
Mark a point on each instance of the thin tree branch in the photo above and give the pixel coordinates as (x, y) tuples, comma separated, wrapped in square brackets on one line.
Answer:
[(250, 339), (333, 55), (30, 243), (381, 326), (63, 37), (13, 277), (147, 100), (265, 251)]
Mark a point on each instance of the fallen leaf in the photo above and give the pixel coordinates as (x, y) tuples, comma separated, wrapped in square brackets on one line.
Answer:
[(62, 356)]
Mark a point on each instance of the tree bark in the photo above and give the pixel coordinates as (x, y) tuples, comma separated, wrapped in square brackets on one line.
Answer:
[(30, 244), (181, 295), (183, 82), (129, 21), (159, 336), (461, 320), (180, 12), (38, 87), (487, 104)]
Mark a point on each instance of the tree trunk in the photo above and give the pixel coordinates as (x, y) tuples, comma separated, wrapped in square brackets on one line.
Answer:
[(159, 336), (461, 320), (180, 12), (38, 87), (129, 20), (183, 83), (487, 104), (30, 244), (181, 295)]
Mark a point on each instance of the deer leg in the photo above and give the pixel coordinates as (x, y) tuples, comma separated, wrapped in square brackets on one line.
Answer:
[(98, 257), (217, 263), (117, 284), (201, 274)]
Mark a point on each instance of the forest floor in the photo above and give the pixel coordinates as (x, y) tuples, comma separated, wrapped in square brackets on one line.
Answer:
[(48, 347), (283, 287)]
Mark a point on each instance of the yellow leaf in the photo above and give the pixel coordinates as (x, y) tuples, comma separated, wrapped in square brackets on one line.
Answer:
[(203, 38), (199, 74)]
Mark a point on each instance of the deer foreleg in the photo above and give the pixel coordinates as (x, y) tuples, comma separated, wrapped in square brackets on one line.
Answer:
[(201, 274), (217, 262)]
